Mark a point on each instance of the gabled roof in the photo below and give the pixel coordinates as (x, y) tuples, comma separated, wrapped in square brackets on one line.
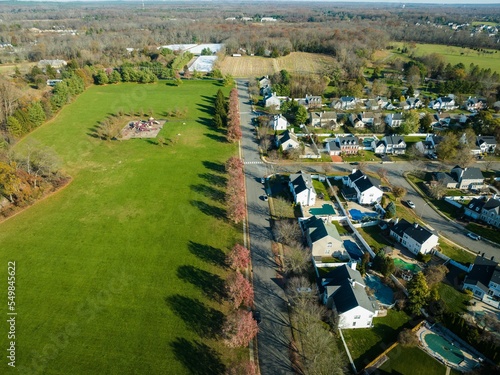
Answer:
[(492, 204), (445, 178), (333, 146), (317, 229), (486, 139), (348, 140), (357, 174), (364, 183), (476, 204), (471, 173), (301, 182), (483, 272), (415, 231), (288, 136), (347, 99), (348, 289), (394, 140)]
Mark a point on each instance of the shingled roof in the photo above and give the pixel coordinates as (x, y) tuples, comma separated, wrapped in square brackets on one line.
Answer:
[(415, 231), (483, 272)]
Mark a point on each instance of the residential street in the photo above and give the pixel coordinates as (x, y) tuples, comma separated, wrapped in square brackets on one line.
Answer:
[(274, 330)]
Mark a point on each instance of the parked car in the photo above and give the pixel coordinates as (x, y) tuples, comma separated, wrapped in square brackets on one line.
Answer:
[(262, 180), (257, 317), (474, 236), (265, 198), (411, 204)]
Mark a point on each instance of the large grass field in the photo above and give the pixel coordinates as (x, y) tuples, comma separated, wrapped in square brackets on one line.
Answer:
[(121, 272), (256, 66), (455, 55)]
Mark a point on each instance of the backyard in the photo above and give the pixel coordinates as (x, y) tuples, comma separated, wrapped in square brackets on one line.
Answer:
[(122, 271)]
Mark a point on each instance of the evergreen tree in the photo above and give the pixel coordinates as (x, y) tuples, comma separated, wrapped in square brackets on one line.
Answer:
[(14, 127), (36, 114), (220, 106), (418, 293), (218, 121)]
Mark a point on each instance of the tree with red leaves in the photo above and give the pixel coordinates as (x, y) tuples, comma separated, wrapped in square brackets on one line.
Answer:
[(235, 191), (239, 257), (239, 290), (239, 329)]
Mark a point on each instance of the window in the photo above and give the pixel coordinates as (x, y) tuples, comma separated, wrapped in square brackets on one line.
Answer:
[(329, 245), (353, 324), (357, 316)]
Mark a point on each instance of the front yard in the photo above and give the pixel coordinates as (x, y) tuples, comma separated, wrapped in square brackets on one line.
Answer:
[(490, 234), (365, 344), (455, 300), (455, 253)]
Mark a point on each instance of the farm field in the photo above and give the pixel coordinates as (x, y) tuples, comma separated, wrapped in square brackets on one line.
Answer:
[(121, 272), (455, 55), (255, 66)]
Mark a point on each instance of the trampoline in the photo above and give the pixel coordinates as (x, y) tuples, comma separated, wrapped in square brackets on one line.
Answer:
[(444, 348)]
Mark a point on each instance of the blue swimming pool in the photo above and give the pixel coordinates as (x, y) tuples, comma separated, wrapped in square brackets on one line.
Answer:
[(353, 249), (382, 292), (358, 215)]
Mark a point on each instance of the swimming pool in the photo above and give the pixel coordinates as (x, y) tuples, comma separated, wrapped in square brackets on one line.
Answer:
[(358, 215), (353, 249), (400, 263), (444, 348), (383, 293)]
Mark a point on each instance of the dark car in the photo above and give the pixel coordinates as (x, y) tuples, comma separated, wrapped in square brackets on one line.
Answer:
[(257, 317)]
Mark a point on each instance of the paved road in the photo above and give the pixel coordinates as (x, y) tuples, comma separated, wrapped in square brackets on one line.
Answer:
[(274, 331)]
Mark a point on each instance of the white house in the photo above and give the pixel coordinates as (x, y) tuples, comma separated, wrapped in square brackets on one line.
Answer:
[(323, 119), (483, 280), (323, 239), (394, 119), (444, 103), (474, 208), (272, 101), (428, 146), (278, 123), (287, 141), (365, 187), (390, 144), (415, 238), (475, 104), (344, 291), (344, 103), (302, 189), (486, 144), (490, 212)]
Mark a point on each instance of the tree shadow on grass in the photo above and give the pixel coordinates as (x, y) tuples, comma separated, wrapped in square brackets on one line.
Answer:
[(208, 253), (209, 210), (211, 285), (217, 138), (197, 358), (200, 318), (214, 166), (214, 179), (209, 192)]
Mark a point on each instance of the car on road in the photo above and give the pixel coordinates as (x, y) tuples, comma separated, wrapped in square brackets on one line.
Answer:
[(474, 236), (265, 198), (262, 180), (257, 316), (411, 204)]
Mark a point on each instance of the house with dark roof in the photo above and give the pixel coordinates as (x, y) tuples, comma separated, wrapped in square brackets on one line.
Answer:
[(485, 144), (414, 237), (366, 187), (468, 178), (483, 280), (490, 212), (344, 290), (287, 141), (348, 144), (302, 188), (394, 120), (475, 104), (474, 208), (344, 103), (445, 179), (390, 144), (323, 239), (333, 148), (323, 119), (313, 101)]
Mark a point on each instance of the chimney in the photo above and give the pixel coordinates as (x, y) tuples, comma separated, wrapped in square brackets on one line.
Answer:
[(354, 170), (482, 255), (352, 265), (415, 225), (353, 283)]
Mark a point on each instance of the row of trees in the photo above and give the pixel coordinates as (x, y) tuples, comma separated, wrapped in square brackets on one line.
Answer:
[(235, 191), (233, 118)]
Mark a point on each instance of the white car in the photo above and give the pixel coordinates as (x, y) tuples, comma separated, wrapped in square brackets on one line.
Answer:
[(473, 236), (265, 198), (262, 180), (411, 204)]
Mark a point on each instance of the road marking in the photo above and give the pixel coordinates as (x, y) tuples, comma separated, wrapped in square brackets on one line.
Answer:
[(253, 162)]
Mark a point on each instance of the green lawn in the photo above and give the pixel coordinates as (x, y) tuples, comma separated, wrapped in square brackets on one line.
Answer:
[(455, 55), (411, 361), (121, 271), (455, 300), (374, 237), (491, 234), (455, 253), (365, 344)]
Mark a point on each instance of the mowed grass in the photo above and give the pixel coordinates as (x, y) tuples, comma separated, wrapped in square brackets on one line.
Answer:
[(121, 272), (255, 66), (455, 55)]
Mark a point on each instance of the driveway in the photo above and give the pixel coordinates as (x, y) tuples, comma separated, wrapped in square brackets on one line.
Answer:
[(274, 330)]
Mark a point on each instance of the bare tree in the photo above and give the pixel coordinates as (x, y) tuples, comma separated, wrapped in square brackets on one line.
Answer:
[(399, 192), (435, 274), (287, 232), (437, 189), (296, 259), (282, 208)]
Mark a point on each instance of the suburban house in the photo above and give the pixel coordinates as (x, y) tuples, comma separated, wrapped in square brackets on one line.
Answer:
[(411, 103), (444, 103), (343, 290), (264, 81), (483, 280), (415, 238), (323, 239), (490, 212), (468, 178), (344, 103), (323, 119), (390, 144), (288, 140), (312, 101), (474, 208), (372, 105), (475, 104), (333, 148), (278, 123), (348, 144), (365, 187), (272, 101), (302, 189), (486, 144), (394, 119), (356, 121), (428, 146)]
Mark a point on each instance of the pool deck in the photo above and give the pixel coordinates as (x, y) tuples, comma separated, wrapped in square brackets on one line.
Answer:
[(469, 362)]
